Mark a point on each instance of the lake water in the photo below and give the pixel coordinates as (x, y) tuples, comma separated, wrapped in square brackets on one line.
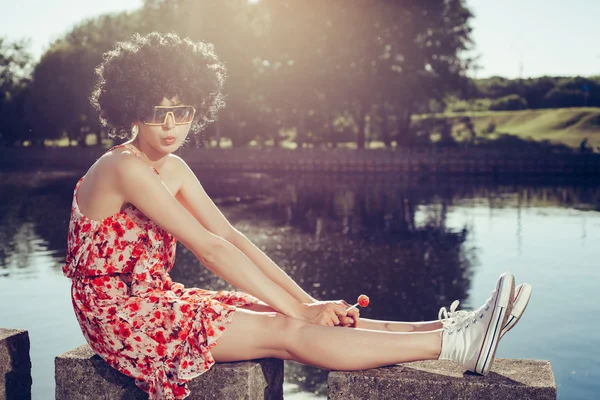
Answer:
[(412, 246)]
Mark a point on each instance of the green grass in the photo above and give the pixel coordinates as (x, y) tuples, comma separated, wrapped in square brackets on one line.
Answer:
[(567, 126)]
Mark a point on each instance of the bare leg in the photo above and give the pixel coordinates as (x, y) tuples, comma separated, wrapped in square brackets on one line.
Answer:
[(373, 324), (254, 335), (393, 326)]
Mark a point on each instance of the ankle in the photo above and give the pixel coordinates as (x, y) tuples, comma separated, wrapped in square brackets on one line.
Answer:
[(437, 348)]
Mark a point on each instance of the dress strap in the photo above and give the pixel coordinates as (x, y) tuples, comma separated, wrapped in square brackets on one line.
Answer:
[(132, 149)]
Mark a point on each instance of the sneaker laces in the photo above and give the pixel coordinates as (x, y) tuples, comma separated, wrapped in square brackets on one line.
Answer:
[(451, 318), (454, 320)]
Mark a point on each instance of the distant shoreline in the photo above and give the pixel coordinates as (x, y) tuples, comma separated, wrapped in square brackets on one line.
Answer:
[(441, 161)]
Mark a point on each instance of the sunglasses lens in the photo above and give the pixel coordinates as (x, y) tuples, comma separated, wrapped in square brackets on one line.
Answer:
[(159, 115), (183, 114)]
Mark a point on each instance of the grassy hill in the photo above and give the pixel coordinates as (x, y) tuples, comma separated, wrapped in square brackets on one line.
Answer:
[(568, 126)]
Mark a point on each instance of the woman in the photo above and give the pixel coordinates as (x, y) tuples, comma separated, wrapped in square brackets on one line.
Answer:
[(138, 199)]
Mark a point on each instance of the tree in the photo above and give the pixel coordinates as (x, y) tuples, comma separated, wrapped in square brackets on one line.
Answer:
[(64, 77), (564, 97), (15, 75), (353, 55)]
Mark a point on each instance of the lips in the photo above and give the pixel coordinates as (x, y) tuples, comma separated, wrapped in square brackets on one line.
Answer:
[(169, 139)]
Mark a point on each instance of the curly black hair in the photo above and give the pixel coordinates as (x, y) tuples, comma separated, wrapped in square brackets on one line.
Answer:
[(137, 74)]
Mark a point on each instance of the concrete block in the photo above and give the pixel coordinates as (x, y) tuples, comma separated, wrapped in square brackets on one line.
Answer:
[(445, 380), (82, 375), (15, 364)]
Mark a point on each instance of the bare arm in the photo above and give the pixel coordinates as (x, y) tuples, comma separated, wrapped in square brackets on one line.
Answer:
[(195, 199), (268, 266), (141, 187)]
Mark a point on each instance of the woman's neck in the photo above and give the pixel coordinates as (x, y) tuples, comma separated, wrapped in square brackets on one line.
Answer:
[(148, 153)]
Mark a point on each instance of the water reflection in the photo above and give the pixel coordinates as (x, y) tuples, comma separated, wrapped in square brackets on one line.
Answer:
[(338, 236), (339, 242), (34, 216)]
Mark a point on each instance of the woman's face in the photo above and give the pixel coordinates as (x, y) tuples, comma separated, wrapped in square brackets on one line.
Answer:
[(166, 128)]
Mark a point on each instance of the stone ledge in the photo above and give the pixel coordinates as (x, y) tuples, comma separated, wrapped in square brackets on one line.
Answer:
[(82, 375), (508, 379), (15, 364)]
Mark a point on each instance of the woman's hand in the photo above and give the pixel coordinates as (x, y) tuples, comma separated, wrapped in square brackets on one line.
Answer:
[(331, 313), (352, 318), (327, 313)]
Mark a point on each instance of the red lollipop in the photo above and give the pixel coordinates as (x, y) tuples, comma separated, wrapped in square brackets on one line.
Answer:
[(363, 301)]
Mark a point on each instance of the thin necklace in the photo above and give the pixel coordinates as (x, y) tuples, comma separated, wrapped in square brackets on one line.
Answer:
[(141, 154)]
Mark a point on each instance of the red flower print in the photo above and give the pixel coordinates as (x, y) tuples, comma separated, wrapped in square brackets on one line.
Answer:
[(141, 277), (118, 229), (160, 337), (182, 335), (179, 391)]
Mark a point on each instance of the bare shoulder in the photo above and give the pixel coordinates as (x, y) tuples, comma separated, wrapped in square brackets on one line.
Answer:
[(100, 193), (123, 166), (178, 164), (118, 162), (113, 168)]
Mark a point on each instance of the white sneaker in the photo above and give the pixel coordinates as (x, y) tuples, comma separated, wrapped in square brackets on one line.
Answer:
[(522, 296), (471, 338), (520, 302)]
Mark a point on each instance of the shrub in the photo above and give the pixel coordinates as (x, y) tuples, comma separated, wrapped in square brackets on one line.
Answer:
[(509, 103)]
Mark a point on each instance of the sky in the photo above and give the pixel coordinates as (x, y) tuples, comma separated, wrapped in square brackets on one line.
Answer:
[(513, 38)]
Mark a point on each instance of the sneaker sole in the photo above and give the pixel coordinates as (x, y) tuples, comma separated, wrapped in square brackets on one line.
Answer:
[(521, 296), (500, 315)]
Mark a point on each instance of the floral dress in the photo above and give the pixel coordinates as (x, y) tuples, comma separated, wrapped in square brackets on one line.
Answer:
[(131, 312)]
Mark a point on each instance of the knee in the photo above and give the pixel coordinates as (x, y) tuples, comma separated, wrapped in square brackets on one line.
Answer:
[(291, 332)]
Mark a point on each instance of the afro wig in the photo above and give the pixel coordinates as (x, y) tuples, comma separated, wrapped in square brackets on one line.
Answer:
[(137, 74)]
